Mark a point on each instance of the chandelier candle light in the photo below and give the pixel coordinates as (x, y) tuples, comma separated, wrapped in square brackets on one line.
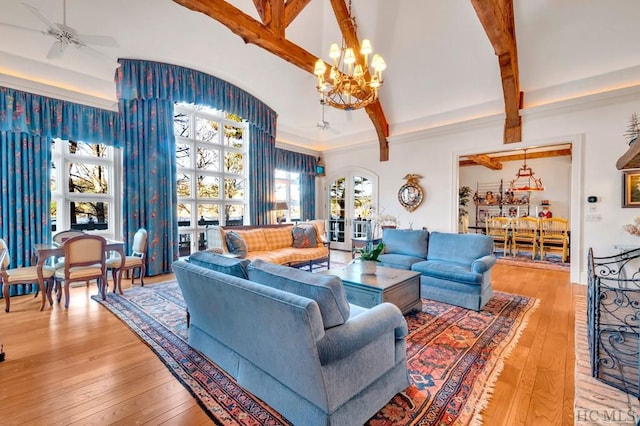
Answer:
[(351, 85)]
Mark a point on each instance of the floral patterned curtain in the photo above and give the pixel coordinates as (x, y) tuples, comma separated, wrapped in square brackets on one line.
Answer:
[(140, 84), (306, 166), (28, 123)]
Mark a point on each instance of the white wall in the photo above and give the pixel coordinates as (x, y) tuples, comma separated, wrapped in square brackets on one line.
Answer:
[(594, 124)]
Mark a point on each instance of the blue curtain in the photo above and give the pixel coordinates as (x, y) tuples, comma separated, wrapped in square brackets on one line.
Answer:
[(140, 84), (149, 173), (28, 123), (306, 166)]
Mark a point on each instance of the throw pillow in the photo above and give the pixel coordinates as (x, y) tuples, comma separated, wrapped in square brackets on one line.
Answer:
[(304, 236), (236, 244)]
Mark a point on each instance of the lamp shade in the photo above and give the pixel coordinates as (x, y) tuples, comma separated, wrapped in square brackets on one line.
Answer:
[(281, 205)]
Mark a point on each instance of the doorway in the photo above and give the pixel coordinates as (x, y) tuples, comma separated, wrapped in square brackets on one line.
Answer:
[(493, 175), (352, 200)]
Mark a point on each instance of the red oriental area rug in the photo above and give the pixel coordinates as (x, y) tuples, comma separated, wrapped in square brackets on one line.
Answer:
[(454, 357)]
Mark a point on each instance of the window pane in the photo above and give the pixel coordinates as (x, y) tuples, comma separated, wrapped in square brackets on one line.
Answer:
[(208, 187), (54, 215), (87, 178), (208, 214), (184, 214), (233, 162), (183, 155), (206, 130), (184, 185), (234, 214), (92, 150), (281, 174), (88, 216), (52, 178), (184, 244), (234, 189), (181, 125), (281, 191), (208, 159), (233, 136)]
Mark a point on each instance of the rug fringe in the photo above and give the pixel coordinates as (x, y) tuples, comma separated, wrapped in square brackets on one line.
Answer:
[(490, 384)]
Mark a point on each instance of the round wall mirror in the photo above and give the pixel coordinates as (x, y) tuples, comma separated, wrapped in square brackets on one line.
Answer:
[(410, 195)]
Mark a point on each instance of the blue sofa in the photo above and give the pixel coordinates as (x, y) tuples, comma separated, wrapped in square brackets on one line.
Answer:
[(291, 338), (454, 268)]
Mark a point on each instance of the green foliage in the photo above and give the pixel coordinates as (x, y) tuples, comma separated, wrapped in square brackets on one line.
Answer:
[(369, 252), (463, 198)]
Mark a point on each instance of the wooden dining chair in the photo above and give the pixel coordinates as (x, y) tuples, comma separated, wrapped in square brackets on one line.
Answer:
[(499, 229), (554, 236), (22, 275), (132, 262), (524, 233), (84, 261)]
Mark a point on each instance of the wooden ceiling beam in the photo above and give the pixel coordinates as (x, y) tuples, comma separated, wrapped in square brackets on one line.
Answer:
[(277, 18), (496, 17), (271, 38), (261, 7), (292, 8), (374, 110), (485, 160), (252, 31), (519, 157)]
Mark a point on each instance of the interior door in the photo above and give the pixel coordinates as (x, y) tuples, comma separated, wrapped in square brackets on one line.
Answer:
[(351, 205)]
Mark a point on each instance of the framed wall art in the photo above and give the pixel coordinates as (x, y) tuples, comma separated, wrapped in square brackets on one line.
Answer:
[(631, 188)]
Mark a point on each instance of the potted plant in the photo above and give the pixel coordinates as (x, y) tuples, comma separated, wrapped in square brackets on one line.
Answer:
[(369, 256), (463, 215)]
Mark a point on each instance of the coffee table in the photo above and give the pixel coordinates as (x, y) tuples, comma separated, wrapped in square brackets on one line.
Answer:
[(398, 286)]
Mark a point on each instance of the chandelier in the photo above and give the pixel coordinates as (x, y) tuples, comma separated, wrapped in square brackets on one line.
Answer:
[(525, 179), (351, 84)]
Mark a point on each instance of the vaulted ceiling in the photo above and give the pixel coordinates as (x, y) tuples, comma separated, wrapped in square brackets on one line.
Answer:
[(447, 61)]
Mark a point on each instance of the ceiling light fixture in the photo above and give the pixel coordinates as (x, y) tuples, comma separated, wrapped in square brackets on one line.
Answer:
[(525, 179), (351, 85)]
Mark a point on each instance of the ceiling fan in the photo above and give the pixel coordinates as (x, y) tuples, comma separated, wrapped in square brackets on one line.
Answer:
[(65, 35), (324, 124)]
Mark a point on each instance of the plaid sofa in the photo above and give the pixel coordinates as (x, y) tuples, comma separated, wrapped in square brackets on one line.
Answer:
[(274, 243)]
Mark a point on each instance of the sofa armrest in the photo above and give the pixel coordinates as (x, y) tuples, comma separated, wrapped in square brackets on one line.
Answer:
[(483, 264), (341, 341)]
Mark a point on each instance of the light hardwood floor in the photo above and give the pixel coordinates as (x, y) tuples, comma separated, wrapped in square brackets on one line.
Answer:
[(84, 366)]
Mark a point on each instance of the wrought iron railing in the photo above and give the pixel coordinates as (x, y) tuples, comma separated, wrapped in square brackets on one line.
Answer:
[(613, 319)]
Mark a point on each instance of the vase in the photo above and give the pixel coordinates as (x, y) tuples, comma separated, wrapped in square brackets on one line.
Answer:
[(368, 267)]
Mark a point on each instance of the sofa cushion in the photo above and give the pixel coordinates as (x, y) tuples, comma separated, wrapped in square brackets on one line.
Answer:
[(459, 248), (225, 264), (304, 236), (278, 238), (236, 244), (326, 290), (254, 238), (398, 261), (412, 242), (216, 239), (448, 271)]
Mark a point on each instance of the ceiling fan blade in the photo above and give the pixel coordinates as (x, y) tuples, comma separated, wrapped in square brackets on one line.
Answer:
[(40, 16), (56, 50), (18, 27), (334, 131), (98, 40)]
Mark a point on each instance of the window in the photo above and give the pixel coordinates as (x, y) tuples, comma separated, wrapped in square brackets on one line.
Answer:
[(212, 167), (83, 187), (288, 191)]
